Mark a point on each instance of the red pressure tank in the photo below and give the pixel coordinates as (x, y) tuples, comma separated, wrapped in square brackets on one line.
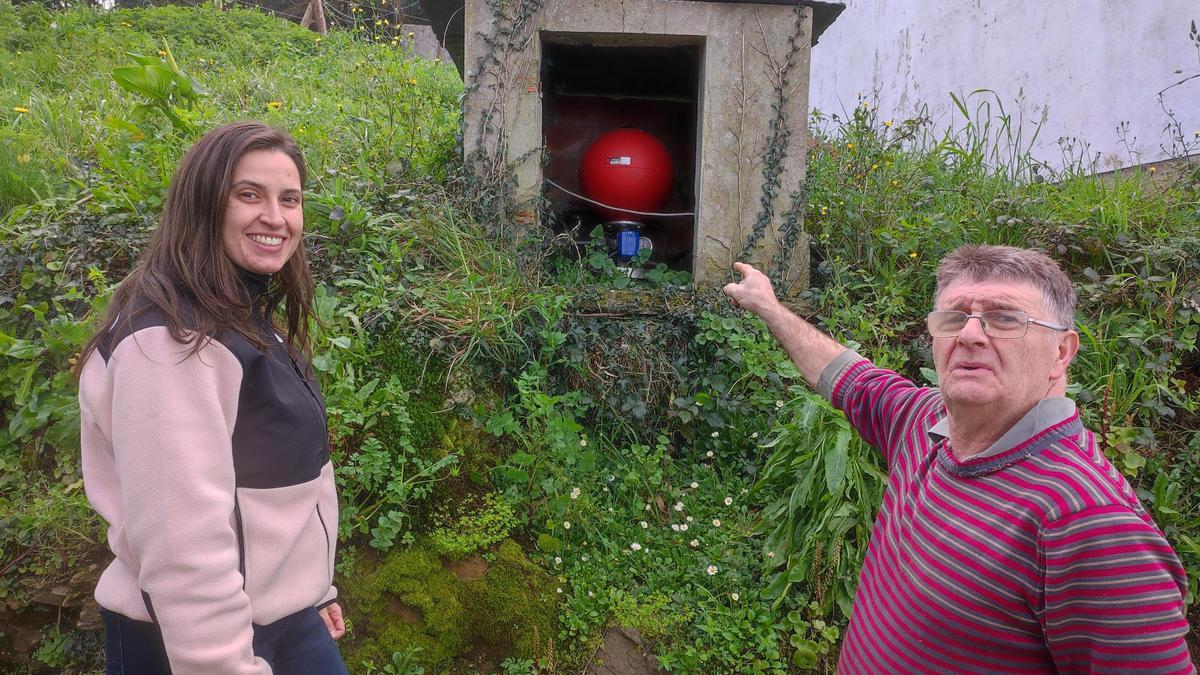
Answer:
[(627, 169)]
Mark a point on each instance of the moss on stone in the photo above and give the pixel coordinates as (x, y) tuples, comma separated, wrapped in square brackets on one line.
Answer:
[(514, 606), (512, 611), (378, 595)]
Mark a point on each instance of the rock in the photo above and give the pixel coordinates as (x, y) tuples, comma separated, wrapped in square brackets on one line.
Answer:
[(89, 617), (624, 653), (467, 570), (25, 640), (407, 614)]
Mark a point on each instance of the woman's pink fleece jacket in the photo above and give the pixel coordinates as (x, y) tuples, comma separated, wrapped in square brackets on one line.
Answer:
[(212, 470)]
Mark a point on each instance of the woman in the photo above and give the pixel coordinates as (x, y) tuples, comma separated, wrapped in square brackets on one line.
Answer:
[(203, 429)]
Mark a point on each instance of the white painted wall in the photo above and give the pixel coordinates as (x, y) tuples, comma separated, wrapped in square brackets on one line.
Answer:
[(1082, 67)]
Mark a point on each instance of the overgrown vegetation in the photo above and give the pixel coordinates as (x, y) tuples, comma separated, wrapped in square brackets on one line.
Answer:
[(650, 449)]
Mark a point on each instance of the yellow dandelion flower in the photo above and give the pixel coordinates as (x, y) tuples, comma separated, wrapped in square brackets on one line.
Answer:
[(378, 22), (386, 22), (20, 109), (161, 53), (411, 34), (1154, 169), (412, 81), (913, 254), (849, 146), (874, 166), (23, 158), (887, 123), (274, 104), (824, 210), (895, 183)]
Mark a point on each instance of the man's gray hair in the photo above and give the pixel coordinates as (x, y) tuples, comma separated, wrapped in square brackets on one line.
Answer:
[(985, 262)]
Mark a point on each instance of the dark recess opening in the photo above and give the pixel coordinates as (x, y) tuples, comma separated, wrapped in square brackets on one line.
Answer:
[(592, 84)]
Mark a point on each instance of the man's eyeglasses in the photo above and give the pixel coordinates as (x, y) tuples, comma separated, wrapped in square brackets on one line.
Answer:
[(1002, 324)]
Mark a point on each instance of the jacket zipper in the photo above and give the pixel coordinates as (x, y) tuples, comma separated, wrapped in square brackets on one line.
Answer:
[(308, 388)]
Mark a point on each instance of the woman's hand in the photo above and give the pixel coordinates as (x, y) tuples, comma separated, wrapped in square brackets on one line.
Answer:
[(332, 614)]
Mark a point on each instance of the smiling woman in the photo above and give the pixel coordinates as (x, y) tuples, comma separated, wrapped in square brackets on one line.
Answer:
[(203, 430), (264, 216)]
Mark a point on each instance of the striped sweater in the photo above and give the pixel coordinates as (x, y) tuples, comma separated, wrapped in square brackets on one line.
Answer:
[(1033, 558)]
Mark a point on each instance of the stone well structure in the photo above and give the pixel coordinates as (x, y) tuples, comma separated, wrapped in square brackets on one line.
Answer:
[(724, 85)]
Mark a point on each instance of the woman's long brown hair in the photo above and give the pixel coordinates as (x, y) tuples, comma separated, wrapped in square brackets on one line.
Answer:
[(185, 272)]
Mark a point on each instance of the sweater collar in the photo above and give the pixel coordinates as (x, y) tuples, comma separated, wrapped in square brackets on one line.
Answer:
[(1048, 422)]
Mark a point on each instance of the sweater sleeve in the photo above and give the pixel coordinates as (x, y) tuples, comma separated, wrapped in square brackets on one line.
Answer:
[(878, 403), (172, 423), (1113, 595)]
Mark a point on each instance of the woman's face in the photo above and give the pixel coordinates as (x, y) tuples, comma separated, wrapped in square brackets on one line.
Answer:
[(265, 216)]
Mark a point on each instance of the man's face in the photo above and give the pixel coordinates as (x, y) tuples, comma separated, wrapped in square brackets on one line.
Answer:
[(1008, 376)]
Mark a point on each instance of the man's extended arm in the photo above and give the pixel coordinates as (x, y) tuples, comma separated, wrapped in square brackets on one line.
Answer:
[(810, 349)]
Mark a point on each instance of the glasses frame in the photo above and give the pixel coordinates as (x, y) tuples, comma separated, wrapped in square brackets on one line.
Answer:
[(983, 323)]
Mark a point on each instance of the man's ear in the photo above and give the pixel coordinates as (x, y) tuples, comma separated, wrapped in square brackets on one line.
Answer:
[(1068, 347)]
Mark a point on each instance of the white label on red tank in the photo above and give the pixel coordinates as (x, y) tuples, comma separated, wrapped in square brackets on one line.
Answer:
[(622, 161)]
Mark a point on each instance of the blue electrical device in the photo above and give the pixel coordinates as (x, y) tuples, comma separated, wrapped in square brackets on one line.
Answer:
[(627, 243)]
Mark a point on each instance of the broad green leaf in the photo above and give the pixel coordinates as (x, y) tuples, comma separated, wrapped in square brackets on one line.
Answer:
[(835, 462)]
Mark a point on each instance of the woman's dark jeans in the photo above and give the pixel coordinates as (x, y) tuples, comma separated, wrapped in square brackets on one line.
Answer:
[(299, 643)]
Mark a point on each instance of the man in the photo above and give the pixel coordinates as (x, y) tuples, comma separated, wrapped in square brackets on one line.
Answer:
[(1006, 541)]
